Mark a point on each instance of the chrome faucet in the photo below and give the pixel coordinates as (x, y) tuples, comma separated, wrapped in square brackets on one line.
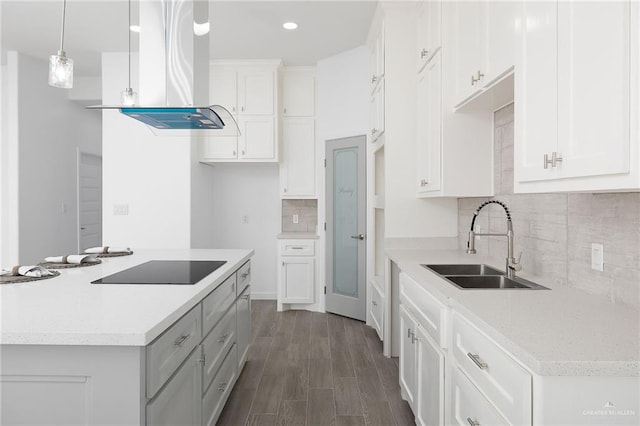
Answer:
[(512, 265)]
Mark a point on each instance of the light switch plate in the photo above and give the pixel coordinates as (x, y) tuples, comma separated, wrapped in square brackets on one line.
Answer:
[(597, 257)]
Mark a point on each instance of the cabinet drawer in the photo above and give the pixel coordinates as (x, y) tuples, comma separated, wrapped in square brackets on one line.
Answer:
[(166, 353), (429, 312), (217, 344), (243, 277), (297, 248), (214, 399), (468, 406), (377, 309), (217, 303), (498, 376)]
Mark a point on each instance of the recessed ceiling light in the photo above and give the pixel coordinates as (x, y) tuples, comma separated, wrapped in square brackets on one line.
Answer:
[(289, 25), (135, 28)]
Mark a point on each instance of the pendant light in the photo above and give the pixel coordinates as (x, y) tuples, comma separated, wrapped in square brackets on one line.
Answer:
[(61, 67), (128, 96)]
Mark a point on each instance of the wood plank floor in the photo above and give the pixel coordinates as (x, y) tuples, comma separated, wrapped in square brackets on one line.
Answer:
[(315, 369)]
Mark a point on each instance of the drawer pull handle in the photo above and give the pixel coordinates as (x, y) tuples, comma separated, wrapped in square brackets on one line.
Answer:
[(473, 422), (477, 361), (297, 248), (222, 387), (409, 333), (180, 340), (414, 339), (245, 275), (223, 339)]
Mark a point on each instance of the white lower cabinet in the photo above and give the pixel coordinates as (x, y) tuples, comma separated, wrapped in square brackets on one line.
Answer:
[(214, 399), (179, 403), (468, 406), (407, 359), (244, 326), (377, 309), (297, 272)]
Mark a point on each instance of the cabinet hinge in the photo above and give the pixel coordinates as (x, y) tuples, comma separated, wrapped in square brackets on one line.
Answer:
[(325, 289)]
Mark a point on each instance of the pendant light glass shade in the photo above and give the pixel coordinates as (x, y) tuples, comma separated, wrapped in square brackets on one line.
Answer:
[(61, 67), (128, 97), (60, 71)]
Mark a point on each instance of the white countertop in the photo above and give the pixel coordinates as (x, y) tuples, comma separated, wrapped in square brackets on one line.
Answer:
[(69, 310), (298, 236), (557, 332)]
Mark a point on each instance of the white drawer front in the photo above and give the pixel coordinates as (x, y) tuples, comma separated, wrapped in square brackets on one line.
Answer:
[(505, 383), (214, 399), (377, 310), (243, 277), (217, 303), (468, 406), (166, 353), (217, 344), (297, 247), (428, 311)]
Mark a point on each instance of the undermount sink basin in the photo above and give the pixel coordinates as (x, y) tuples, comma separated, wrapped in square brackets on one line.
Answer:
[(471, 269), (491, 282), (480, 276)]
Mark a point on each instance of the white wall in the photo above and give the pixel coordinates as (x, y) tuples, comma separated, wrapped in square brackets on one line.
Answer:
[(250, 190), (42, 134)]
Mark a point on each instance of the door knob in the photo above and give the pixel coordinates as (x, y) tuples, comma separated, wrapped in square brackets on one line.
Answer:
[(358, 237)]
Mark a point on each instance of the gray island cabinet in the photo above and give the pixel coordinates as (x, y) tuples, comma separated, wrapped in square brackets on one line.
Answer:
[(181, 375)]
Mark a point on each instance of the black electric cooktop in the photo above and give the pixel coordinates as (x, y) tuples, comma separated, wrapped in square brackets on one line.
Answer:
[(176, 272)]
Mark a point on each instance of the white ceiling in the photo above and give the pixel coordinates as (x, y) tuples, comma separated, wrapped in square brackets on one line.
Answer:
[(239, 29)]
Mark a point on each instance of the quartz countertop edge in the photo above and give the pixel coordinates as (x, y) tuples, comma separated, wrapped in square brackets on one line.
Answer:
[(69, 310), (590, 336), (298, 236)]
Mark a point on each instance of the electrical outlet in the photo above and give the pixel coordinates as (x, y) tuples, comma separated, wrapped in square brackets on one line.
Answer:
[(121, 209), (245, 219), (295, 218), (597, 257)]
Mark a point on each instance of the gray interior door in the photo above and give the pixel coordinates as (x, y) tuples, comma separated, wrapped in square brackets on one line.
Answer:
[(89, 201), (346, 227)]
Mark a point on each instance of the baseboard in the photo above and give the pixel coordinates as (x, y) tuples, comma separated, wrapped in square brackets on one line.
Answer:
[(263, 296)]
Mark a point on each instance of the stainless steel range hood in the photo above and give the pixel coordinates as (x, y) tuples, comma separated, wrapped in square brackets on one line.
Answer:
[(174, 72)]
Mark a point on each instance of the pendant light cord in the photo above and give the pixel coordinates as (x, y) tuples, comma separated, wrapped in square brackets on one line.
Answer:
[(129, 32), (64, 12)]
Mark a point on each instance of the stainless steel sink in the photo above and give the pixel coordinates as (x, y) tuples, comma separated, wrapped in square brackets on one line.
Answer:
[(471, 269), (480, 276), (491, 282)]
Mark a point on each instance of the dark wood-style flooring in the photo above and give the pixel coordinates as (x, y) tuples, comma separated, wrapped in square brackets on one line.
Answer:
[(315, 369)]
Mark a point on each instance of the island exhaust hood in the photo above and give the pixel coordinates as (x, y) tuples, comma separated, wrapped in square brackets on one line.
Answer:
[(174, 72)]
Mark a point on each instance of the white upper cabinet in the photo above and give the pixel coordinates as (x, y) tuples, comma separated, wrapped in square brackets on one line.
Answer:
[(256, 91), (429, 126), (484, 45), (377, 57), (429, 31), (576, 94), (298, 166), (299, 92), (247, 89)]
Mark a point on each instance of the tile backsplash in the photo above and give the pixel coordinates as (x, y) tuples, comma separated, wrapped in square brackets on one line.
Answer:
[(555, 231), (307, 211)]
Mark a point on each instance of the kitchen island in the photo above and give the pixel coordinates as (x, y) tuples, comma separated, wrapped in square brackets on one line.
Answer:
[(72, 352)]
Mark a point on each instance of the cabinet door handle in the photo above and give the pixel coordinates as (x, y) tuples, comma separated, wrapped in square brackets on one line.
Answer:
[(374, 303), (223, 339), (243, 152), (234, 153), (480, 76), (477, 361), (424, 53), (242, 109), (409, 332), (245, 275), (472, 422), (423, 182), (373, 132), (554, 160), (285, 110), (233, 109), (373, 79), (414, 339), (473, 80), (222, 387), (180, 340)]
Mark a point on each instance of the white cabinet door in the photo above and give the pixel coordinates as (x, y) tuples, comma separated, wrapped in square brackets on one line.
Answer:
[(429, 31), (298, 166), (593, 88), (223, 88), (408, 356), (256, 92), (469, 406), (536, 91), (377, 59), (256, 141), (499, 39), (467, 50), (377, 112), (429, 131), (430, 375), (243, 335), (180, 402), (297, 280), (299, 94), (219, 148)]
